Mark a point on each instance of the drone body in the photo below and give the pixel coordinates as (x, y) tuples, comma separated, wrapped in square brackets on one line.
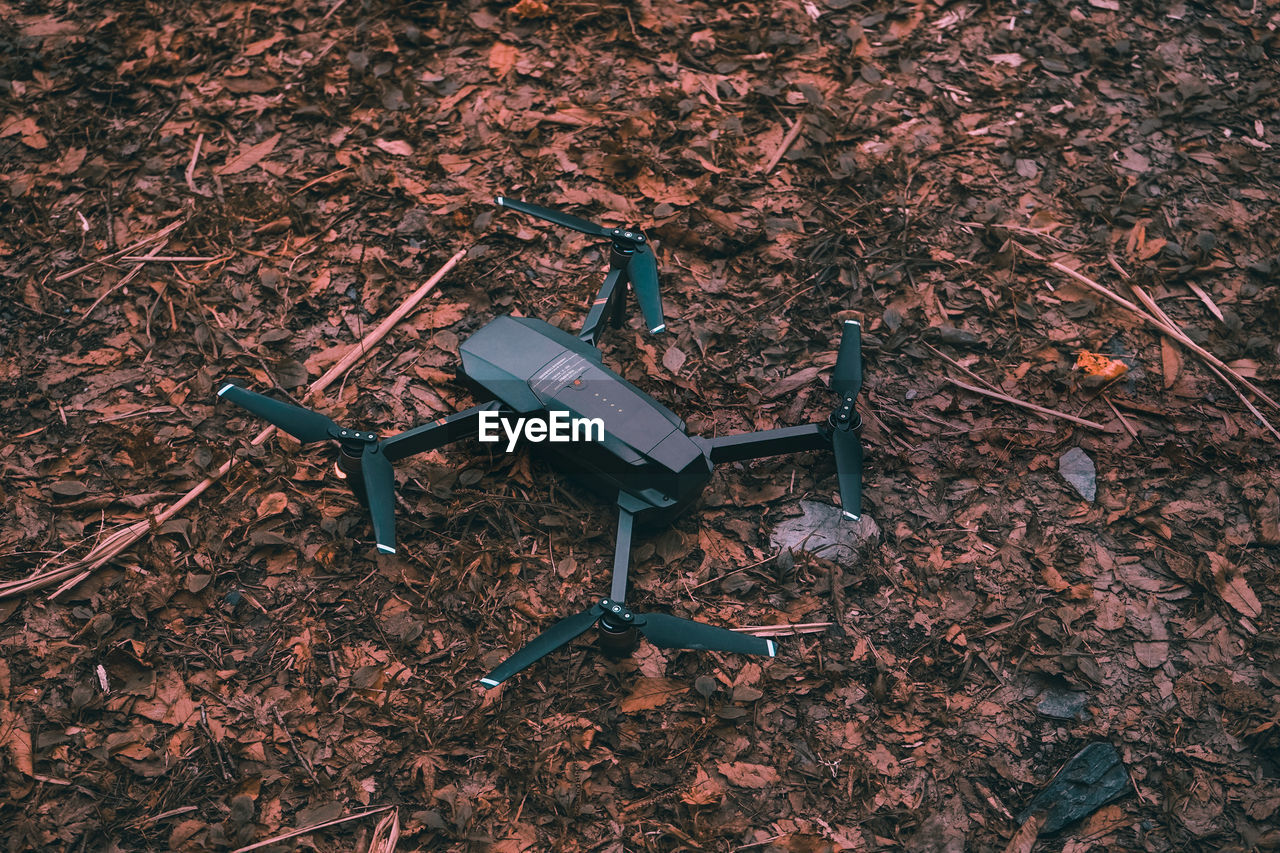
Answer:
[(535, 369), (525, 368)]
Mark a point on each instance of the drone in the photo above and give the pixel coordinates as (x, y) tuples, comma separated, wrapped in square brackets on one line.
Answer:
[(643, 457)]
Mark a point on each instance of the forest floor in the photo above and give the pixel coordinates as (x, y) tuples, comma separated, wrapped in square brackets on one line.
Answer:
[(251, 667)]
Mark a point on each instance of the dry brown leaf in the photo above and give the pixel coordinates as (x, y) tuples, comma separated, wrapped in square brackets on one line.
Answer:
[(745, 775), (705, 790), (649, 693), (502, 58), (15, 733), (250, 157), (673, 359), (273, 504), (1025, 838), (1231, 585), (1170, 362), (1269, 519), (394, 147)]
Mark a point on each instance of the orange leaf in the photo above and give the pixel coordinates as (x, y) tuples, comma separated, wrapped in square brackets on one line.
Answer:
[(502, 58), (1097, 364)]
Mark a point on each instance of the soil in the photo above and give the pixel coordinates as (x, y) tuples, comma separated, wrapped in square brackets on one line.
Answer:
[(934, 169)]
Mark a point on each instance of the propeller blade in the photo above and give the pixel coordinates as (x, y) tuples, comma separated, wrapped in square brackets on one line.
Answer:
[(565, 219), (848, 449), (559, 634), (380, 491), (642, 269), (672, 632), (846, 378), (303, 424)]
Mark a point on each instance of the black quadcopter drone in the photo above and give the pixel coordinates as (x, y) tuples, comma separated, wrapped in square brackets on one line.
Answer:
[(530, 369)]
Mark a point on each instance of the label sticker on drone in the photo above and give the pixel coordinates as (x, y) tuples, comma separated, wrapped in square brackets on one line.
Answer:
[(561, 371)]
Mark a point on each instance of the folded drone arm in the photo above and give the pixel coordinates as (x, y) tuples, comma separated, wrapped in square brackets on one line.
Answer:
[(769, 442), (438, 433)]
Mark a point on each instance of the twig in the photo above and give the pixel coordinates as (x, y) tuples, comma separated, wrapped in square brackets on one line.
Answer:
[(111, 546), (130, 276), (173, 259), (294, 833), (1172, 331), (191, 166), (1159, 312), (960, 366), (784, 630), (787, 142), (1208, 302), (1124, 422), (132, 247), (1053, 413), (294, 746)]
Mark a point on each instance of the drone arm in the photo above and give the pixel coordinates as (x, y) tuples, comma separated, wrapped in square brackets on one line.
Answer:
[(438, 433), (608, 304), (770, 442)]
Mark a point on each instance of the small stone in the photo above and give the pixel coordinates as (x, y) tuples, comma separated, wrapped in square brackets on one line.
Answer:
[(1077, 468), (1092, 778), (824, 532), (1062, 704)]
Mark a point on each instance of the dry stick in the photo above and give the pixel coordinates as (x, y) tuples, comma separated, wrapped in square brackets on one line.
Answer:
[(132, 247), (312, 828), (1053, 413), (191, 167), (1172, 331), (787, 142), (117, 542), (784, 630), (1159, 312), (132, 274)]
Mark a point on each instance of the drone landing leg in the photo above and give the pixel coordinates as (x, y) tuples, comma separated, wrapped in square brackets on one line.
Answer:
[(438, 433), (770, 442)]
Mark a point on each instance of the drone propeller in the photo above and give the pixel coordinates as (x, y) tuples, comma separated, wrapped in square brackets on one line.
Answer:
[(618, 624), (362, 454), (641, 264), (845, 422)]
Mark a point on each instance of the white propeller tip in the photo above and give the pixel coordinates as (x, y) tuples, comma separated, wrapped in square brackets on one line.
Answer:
[(489, 682), (657, 329), (225, 389), (850, 515), (386, 549), (773, 650), (501, 201)]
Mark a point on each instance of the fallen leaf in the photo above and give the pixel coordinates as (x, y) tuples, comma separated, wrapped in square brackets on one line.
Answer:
[(745, 775), (705, 790), (1231, 585), (395, 147), (273, 504), (250, 157), (1170, 362), (649, 693), (673, 359), (1102, 366), (502, 58), (1269, 519), (15, 733)]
